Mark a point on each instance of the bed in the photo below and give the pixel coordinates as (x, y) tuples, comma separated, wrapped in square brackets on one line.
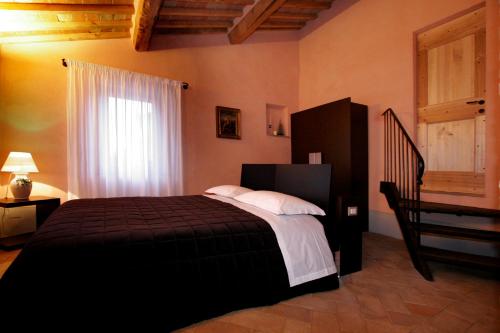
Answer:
[(150, 264)]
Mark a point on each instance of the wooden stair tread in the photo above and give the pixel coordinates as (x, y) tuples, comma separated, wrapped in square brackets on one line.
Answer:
[(441, 208), (459, 258), (454, 231)]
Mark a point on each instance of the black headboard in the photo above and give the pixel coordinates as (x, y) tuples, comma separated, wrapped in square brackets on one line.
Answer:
[(311, 182)]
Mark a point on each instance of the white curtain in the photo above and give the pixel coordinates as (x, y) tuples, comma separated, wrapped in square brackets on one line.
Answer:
[(124, 133)]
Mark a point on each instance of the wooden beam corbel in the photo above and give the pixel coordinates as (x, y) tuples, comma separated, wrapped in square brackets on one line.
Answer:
[(147, 12), (253, 19)]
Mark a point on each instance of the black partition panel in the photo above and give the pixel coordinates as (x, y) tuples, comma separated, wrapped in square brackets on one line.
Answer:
[(309, 182), (339, 131), (258, 177)]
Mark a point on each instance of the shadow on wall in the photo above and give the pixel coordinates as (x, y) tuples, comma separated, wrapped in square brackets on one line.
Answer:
[(338, 7)]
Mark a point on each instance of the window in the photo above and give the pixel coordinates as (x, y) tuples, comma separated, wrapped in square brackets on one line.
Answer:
[(124, 133), (128, 131)]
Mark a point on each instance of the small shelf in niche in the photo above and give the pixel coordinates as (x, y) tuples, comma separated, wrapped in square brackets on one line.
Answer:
[(277, 120)]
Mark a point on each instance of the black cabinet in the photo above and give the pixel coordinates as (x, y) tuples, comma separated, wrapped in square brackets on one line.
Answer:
[(339, 130), (44, 207)]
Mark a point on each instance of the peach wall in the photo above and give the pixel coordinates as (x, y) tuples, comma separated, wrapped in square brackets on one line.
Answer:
[(367, 52), (33, 96), (360, 48)]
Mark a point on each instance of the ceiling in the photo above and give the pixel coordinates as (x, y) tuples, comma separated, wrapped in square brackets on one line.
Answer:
[(57, 20)]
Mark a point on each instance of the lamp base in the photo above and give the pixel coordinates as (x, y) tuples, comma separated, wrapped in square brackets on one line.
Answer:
[(20, 187)]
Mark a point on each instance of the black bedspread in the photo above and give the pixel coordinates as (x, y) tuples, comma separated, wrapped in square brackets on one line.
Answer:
[(146, 263), (142, 264)]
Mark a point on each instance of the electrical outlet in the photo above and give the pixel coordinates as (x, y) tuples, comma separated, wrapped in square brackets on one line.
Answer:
[(352, 211)]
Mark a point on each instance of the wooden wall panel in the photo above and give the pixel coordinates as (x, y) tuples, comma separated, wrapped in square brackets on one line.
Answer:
[(480, 160), (422, 71), (453, 30), (451, 71), (450, 104), (450, 111), (450, 146), (422, 140), (469, 183), (480, 63)]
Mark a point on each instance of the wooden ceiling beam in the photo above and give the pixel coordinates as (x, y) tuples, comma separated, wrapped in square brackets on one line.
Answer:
[(63, 37), (193, 24), (253, 18), (63, 26), (200, 12), (145, 18), (293, 16), (37, 7), (307, 4)]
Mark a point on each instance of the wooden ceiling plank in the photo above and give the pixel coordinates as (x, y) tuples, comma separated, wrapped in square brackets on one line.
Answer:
[(294, 16), (147, 12), (95, 29), (194, 18), (79, 2), (82, 17), (281, 25), (310, 4), (252, 19), (200, 12), (277, 29), (190, 31), (218, 2), (29, 17), (193, 24), (64, 37), (63, 26), (37, 7)]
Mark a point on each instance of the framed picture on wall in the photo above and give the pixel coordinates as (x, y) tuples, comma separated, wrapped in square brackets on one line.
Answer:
[(228, 122)]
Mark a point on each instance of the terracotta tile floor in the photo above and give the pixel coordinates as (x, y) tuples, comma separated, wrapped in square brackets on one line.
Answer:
[(388, 295)]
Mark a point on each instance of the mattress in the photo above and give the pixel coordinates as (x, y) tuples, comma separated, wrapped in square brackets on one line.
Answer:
[(145, 264)]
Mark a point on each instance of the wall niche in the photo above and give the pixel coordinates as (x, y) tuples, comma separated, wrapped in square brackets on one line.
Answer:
[(277, 120)]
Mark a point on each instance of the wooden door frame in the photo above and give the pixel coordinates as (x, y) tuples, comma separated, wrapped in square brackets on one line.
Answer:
[(417, 79)]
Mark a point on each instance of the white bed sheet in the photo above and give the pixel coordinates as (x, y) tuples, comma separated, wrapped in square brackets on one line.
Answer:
[(302, 241)]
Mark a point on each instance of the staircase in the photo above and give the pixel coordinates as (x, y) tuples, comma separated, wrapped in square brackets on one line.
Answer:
[(404, 169)]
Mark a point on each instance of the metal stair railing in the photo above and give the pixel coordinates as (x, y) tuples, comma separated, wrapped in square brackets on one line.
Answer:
[(404, 165), (403, 171)]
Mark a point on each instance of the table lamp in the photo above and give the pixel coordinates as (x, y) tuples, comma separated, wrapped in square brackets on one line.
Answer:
[(20, 164)]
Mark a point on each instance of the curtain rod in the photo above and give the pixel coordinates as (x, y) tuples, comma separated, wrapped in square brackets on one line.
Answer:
[(185, 85)]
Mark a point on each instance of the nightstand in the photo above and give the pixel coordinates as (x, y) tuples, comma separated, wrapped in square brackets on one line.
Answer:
[(44, 206)]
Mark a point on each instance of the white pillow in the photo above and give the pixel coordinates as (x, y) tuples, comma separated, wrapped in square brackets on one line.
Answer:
[(279, 203), (229, 191)]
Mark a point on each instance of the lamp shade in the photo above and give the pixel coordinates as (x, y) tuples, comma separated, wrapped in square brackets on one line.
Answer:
[(19, 163)]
